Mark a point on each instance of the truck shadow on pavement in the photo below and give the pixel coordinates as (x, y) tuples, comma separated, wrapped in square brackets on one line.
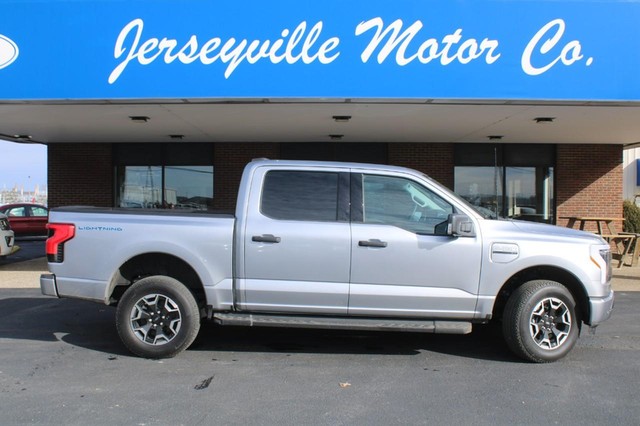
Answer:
[(483, 343), (92, 326), (83, 324)]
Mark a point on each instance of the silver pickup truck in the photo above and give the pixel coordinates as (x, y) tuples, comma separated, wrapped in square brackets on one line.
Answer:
[(331, 245)]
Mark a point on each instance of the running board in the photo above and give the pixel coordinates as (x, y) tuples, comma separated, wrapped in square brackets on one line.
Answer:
[(265, 320)]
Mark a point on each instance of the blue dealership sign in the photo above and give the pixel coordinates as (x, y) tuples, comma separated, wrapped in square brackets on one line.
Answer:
[(560, 50)]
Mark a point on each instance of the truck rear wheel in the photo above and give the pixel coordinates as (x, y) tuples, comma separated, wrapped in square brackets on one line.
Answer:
[(540, 322), (157, 317)]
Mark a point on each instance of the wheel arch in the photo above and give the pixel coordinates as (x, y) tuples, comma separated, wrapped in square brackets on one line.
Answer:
[(545, 272), (155, 263)]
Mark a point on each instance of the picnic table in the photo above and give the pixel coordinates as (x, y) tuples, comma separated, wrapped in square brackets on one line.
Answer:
[(601, 222), (623, 241)]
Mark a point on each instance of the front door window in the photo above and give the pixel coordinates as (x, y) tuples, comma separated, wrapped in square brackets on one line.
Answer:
[(405, 204)]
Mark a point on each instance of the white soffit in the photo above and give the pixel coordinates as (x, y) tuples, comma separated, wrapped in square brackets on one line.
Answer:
[(311, 121)]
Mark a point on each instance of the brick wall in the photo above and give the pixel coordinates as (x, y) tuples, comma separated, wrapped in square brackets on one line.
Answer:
[(436, 160), (80, 174), (433, 159), (588, 181), (230, 159), (588, 177)]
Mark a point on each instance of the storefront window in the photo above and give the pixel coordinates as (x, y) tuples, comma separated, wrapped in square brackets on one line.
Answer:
[(177, 178), (528, 193), (511, 181), (169, 187), (481, 186), (189, 187), (140, 186)]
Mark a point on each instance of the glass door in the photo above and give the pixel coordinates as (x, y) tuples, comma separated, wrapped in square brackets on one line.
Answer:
[(529, 193), (482, 187), (509, 181)]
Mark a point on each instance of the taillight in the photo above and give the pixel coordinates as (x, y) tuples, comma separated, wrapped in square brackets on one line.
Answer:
[(59, 233)]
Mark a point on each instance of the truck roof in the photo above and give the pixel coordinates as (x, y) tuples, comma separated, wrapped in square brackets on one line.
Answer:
[(259, 162)]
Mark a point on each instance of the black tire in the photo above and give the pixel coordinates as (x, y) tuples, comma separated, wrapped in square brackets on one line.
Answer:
[(157, 317), (540, 323)]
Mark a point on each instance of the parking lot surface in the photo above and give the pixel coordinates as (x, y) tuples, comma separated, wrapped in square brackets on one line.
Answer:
[(30, 248), (61, 362)]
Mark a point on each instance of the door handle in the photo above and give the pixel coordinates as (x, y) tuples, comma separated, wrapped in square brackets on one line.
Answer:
[(265, 238), (372, 243)]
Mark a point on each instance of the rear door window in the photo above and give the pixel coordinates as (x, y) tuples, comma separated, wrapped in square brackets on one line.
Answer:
[(38, 212), (300, 195)]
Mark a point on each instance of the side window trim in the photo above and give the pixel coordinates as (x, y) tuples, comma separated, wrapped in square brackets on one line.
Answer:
[(357, 208), (344, 196)]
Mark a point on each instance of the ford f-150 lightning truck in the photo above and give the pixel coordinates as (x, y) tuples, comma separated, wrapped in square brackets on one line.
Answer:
[(331, 245)]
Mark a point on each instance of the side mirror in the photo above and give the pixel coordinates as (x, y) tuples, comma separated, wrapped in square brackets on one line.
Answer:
[(460, 225)]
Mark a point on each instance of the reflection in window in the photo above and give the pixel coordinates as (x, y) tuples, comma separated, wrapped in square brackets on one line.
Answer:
[(169, 187), (482, 187), (405, 204), (507, 180), (528, 194), (189, 187), (524, 193)]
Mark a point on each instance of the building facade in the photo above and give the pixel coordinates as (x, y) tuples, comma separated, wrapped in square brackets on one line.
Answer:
[(520, 107), (88, 174)]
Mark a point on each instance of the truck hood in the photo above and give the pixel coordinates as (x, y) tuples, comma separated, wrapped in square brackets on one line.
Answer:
[(549, 231)]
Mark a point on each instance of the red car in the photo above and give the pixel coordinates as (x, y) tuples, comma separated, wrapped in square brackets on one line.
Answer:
[(27, 219)]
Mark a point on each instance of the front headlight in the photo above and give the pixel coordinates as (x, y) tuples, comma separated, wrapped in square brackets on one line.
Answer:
[(602, 258), (4, 224)]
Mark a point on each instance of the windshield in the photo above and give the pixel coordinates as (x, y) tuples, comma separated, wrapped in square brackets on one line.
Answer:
[(482, 211)]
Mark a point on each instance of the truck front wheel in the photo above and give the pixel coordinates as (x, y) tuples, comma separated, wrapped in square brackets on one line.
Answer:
[(540, 322), (157, 317)]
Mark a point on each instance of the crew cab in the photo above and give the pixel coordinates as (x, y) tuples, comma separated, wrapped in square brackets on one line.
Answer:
[(331, 245)]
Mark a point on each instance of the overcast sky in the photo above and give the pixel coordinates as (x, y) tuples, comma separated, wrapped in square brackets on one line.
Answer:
[(22, 164)]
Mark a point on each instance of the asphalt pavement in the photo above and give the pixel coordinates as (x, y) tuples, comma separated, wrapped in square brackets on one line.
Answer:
[(29, 248), (61, 362)]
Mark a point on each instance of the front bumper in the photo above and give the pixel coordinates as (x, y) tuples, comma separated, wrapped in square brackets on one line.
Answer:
[(48, 285), (6, 244), (600, 308)]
